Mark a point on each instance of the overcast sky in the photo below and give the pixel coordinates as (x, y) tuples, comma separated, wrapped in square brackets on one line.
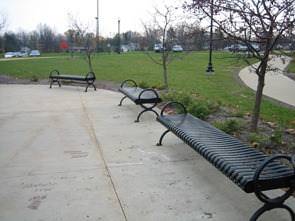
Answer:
[(27, 14)]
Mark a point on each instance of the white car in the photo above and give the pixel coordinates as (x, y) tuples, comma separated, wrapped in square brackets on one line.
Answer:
[(35, 53), (238, 48), (158, 47), (23, 54), (9, 55), (177, 48), (18, 54)]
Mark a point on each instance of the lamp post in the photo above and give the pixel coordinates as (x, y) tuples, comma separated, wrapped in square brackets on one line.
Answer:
[(119, 37), (210, 65), (97, 27)]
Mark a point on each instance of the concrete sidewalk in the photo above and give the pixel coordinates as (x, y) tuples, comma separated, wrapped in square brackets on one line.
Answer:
[(277, 85), (70, 155)]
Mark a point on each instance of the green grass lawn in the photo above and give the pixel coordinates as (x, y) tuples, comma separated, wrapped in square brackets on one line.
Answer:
[(291, 67), (186, 74)]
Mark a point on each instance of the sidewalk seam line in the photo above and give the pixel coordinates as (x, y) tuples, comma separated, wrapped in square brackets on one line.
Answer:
[(92, 131)]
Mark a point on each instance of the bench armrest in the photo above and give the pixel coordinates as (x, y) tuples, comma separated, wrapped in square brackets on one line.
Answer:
[(146, 90), (173, 103), (264, 198), (90, 75), (128, 80), (54, 72)]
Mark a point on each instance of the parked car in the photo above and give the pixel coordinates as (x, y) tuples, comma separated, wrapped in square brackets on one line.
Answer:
[(35, 53), (237, 48), (227, 48), (9, 54), (256, 47), (23, 54), (177, 48), (124, 48), (158, 47), (18, 54)]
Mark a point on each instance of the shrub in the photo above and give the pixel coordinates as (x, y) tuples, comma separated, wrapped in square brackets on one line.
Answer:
[(34, 78), (195, 105), (277, 137), (158, 86), (199, 110), (213, 106), (229, 126), (143, 85), (181, 97), (237, 114), (258, 140)]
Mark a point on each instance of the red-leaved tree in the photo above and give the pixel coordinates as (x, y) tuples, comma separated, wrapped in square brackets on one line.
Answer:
[(63, 45)]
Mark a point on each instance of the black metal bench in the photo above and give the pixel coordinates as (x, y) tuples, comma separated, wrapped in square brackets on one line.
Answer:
[(250, 169), (56, 77), (139, 96)]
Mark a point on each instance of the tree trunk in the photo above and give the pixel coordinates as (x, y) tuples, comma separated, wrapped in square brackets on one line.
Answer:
[(258, 99), (89, 62), (165, 71)]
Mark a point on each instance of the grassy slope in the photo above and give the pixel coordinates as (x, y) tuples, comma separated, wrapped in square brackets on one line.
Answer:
[(291, 67), (187, 74)]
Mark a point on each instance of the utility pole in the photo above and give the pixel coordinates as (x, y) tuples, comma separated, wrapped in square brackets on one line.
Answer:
[(119, 37), (97, 27)]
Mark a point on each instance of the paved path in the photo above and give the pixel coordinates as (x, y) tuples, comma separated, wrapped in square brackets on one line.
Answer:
[(25, 58), (277, 85), (69, 155)]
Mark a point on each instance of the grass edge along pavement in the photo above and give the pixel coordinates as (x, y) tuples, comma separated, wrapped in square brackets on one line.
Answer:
[(186, 74), (291, 67)]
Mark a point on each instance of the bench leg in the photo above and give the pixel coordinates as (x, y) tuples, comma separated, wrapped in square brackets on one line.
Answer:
[(161, 138), (90, 84), (268, 207), (52, 81), (145, 110), (120, 104), (272, 203)]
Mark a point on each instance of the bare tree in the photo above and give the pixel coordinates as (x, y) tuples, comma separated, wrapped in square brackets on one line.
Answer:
[(84, 38), (2, 25), (162, 24), (2, 22), (252, 22), (46, 38)]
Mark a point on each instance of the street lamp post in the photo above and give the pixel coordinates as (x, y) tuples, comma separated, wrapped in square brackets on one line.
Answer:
[(210, 65), (97, 27), (119, 37)]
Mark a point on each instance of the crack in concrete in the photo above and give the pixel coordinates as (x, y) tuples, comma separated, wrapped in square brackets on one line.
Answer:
[(96, 142)]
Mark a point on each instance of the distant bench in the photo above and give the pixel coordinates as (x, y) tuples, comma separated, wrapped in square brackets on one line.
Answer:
[(88, 79), (139, 96), (250, 169)]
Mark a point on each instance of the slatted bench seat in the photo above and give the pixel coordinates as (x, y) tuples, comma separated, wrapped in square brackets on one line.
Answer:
[(146, 98), (250, 169), (88, 79)]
